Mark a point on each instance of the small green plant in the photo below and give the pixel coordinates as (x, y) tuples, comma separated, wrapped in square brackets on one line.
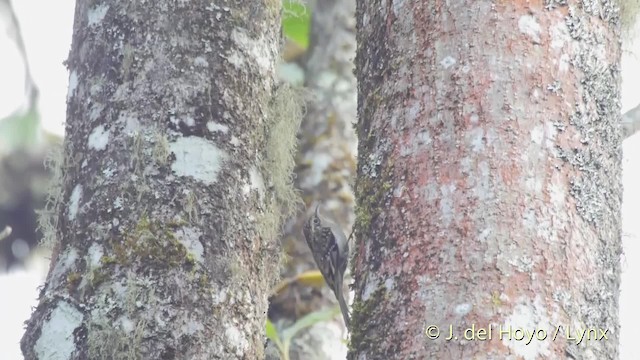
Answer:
[(296, 21), (283, 340)]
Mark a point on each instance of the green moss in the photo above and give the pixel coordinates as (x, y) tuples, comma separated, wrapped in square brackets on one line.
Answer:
[(97, 277), (73, 279), (203, 281), (361, 311), (370, 197), (495, 298), (161, 150), (191, 207), (190, 259), (363, 216), (106, 341), (151, 243), (386, 186), (176, 223), (108, 260)]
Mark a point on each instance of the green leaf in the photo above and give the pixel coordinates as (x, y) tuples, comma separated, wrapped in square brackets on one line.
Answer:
[(309, 320), (272, 334), (296, 21)]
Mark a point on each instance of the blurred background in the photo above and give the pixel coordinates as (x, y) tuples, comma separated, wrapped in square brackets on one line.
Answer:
[(34, 43)]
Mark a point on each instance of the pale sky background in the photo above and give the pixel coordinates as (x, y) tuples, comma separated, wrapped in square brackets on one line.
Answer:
[(46, 28)]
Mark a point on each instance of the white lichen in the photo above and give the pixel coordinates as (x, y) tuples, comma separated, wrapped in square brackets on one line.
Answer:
[(94, 254), (256, 183), (389, 284), (213, 127), (197, 158), (189, 121), (397, 6), (219, 296), (189, 237), (447, 202), (64, 263), (463, 309), (537, 134), (447, 62), (73, 84), (558, 192), (131, 123), (200, 61), (370, 286), (475, 138), (96, 15), (126, 325), (191, 327), (559, 35), (236, 339), (253, 51), (95, 112), (74, 202), (398, 190), (108, 172), (99, 138), (118, 203), (527, 318), (529, 26), (529, 219), (564, 63), (56, 340)]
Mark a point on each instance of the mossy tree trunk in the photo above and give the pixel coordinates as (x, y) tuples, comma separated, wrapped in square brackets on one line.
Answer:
[(324, 172), (488, 179), (165, 218)]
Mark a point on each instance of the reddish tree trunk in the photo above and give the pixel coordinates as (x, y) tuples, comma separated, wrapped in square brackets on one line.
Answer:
[(488, 179)]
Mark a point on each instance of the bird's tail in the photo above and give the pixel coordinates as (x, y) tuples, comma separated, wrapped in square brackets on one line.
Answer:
[(343, 304)]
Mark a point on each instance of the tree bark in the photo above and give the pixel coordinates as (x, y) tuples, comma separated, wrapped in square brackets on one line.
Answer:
[(489, 182), (168, 204)]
